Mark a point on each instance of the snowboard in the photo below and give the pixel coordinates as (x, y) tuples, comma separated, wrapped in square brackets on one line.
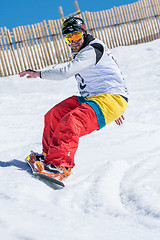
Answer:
[(44, 174)]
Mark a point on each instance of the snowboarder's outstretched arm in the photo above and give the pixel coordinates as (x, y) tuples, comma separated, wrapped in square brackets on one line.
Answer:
[(84, 59)]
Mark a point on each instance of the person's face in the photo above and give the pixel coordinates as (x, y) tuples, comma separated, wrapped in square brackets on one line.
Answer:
[(75, 40), (76, 46)]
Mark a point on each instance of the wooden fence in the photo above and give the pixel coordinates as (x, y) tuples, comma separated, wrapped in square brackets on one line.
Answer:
[(42, 44)]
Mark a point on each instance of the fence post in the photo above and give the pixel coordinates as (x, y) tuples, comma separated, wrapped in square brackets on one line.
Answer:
[(100, 25), (38, 47), (4, 62), (3, 66), (34, 65), (38, 63), (155, 20), (61, 12), (43, 46), (112, 30), (10, 68), (124, 27), (156, 9), (27, 49), (106, 30), (50, 45), (53, 34)]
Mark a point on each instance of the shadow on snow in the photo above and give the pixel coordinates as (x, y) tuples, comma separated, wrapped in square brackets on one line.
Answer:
[(23, 166)]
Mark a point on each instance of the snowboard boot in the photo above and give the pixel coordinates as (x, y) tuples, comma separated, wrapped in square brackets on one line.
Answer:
[(34, 156), (59, 171)]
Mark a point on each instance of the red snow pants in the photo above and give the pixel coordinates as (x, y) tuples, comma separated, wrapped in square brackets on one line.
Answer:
[(64, 124)]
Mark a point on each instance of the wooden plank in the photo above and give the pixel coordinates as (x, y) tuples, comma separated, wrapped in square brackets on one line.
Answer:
[(67, 51), (53, 34), (135, 24), (111, 23), (18, 50), (107, 39), (57, 50), (33, 60), (101, 28), (97, 26), (156, 10), (35, 53), (107, 30), (12, 51), (134, 27), (137, 32), (149, 15), (158, 13), (61, 12), (44, 45), (131, 24), (37, 47), (85, 21), (40, 42), (46, 40), (53, 41), (120, 26), (93, 24), (124, 26), (128, 23), (89, 23), (52, 57), (156, 21), (59, 42), (4, 60), (21, 48), (77, 8), (148, 22), (139, 24), (11, 71), (28, 50), (147, 4), (4, 72), (157, 6), (117, 31), (146, 30), (28, 65), (1, 72)]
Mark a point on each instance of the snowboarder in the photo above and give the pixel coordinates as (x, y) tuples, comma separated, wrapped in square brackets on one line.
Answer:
[(103, 97)]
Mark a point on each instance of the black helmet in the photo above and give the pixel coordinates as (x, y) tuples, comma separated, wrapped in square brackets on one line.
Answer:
[(73, 24)]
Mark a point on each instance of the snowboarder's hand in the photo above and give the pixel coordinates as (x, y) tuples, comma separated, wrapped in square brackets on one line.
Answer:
[(30, 73), (120, 120)]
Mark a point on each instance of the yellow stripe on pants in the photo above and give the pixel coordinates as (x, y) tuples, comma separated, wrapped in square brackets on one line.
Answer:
[(112, 105)]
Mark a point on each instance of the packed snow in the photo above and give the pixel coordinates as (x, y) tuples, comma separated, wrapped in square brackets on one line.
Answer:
[(114, 190)]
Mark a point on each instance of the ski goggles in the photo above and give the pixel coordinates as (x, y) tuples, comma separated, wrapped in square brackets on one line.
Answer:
[(75, 36)]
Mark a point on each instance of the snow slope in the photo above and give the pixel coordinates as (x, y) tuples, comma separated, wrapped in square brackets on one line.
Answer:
[(114, 191)]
